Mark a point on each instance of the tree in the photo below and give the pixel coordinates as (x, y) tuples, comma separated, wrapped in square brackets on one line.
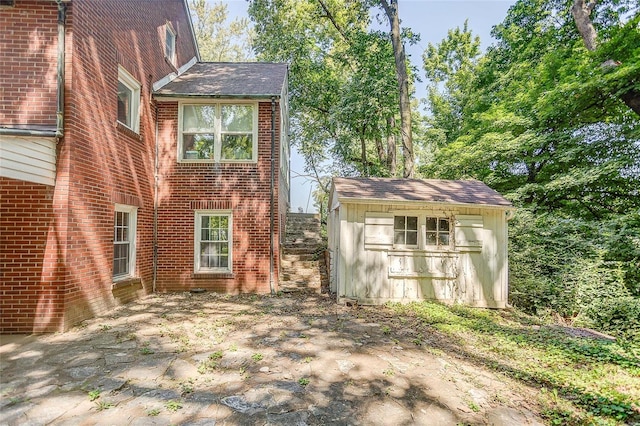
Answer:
[(581, 11), (342, 80), (391, 10), (219, 41)]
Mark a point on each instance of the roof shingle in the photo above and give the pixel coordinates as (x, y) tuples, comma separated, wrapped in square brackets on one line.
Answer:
[(426, 190), (228, 79)]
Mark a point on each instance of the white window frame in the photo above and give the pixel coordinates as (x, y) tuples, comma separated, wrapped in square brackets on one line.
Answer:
[(170, 43), (132, 225), (197, 269), (134, 86), (417, 230), (217, 132), (438, 231)]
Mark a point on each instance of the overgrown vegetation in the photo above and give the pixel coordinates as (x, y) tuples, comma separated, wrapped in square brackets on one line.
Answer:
[(583, 380)]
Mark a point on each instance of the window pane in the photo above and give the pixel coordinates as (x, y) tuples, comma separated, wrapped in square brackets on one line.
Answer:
[(198, 118), (412, 223), (398, 237), (197, 147), (432, 223), (237, 118), (398, 222), (125, 96), (205, 235), (431, 239), (237, 147), (170, 44), (444, 238), (412, 238), (444, 224)]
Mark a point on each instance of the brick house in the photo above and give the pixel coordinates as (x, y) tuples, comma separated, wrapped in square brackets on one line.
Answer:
[(127, 166)]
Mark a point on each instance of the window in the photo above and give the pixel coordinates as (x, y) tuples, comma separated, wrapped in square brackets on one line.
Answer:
[(124, 241), (405, 230), (128, 100), (218, 132), (438, 231), (170, 44), (213, 241)]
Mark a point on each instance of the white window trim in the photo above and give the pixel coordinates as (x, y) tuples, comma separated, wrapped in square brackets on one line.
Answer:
[(407, 215), (196, 242), (422, 231), (169, 29), (133, 236), (132, 84), (217, 132)]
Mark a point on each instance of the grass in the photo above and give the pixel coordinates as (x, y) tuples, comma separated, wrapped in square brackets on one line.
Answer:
[(581, 380)]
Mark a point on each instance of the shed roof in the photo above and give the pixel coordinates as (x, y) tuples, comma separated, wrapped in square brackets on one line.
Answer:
[(228, 79), (425, 190)]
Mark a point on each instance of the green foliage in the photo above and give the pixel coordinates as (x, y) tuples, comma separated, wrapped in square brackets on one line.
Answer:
[(218, 39), (342, 81), (211, 363), (576, 269)]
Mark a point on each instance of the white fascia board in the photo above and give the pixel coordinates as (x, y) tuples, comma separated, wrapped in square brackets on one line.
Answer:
[(172, 76), (386, 202)]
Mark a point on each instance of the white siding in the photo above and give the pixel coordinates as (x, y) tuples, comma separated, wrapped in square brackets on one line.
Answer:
[(371, 270), (32, 159)]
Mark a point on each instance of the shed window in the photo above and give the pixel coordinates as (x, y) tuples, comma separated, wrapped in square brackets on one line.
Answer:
[(438, 231), (405, 230)]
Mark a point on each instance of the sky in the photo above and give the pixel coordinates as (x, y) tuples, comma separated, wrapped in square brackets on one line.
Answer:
[(429, 18)]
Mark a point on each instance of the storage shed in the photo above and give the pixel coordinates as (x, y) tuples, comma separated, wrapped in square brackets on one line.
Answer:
[(412, 239)]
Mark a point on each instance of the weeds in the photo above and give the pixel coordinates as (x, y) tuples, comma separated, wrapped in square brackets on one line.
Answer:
[(257, 357), (211, 363), (173, 405), (586, 380), (94, 394)]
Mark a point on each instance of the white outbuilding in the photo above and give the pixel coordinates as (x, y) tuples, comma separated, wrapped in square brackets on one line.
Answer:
[(412, 239)]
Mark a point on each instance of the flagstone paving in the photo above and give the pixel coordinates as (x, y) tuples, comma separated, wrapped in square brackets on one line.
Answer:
[(208, 359)]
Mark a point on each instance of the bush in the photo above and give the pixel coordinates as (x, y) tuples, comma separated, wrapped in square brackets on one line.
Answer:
[(619, 316), (582, 271)]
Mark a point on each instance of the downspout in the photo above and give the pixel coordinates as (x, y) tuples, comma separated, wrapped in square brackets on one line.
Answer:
[(272, 194), (155, 206), (62, 17)]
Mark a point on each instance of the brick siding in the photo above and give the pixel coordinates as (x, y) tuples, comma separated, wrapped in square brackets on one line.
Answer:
[(242, 188)]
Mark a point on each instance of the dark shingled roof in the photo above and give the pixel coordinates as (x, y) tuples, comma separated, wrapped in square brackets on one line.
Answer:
[(228, 79), (426, 190)]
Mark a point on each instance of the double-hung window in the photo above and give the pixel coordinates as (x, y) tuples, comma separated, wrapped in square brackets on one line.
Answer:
[(124, 241), (128, 100), (218, 132), (213, 241)]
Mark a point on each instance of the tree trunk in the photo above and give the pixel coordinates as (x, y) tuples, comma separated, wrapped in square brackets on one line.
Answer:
[(391, 10), (581, 12), (391, 147)]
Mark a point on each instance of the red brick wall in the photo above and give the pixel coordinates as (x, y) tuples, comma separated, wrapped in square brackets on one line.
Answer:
[(28, 48), (99, 164), (110, 164), (242, 188), (30, 272)]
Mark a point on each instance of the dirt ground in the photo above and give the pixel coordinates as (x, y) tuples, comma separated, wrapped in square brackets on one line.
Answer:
[(206, 359)]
